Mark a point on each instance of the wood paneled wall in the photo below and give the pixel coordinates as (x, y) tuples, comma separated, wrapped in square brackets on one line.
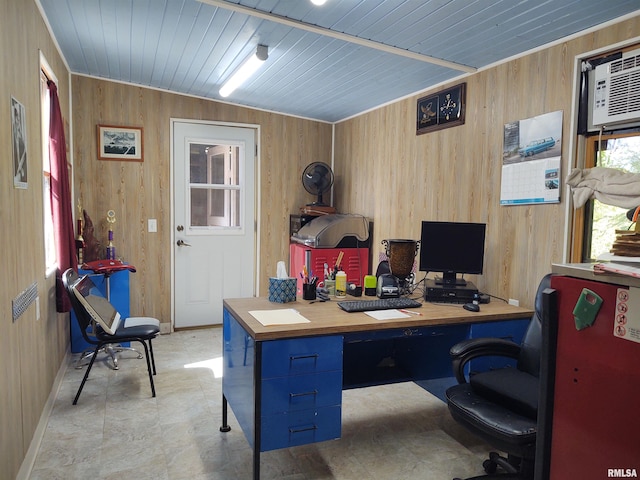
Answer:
[(383, 170), (397, 178), (32, 349), (138, 191)]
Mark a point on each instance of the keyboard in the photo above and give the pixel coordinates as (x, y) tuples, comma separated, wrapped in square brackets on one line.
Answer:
[(379, 304)]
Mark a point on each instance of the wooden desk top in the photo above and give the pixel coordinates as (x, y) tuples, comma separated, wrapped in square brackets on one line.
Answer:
[(327, 318)]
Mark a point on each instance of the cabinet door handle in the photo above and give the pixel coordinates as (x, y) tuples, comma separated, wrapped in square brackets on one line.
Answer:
[(303, 394), (302, 357), (304, 429)]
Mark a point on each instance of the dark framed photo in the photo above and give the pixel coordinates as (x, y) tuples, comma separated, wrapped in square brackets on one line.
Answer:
[(120, 143), (441, 110), (19, 137)]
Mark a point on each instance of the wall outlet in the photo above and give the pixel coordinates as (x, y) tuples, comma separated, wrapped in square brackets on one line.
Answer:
[(514, 302)]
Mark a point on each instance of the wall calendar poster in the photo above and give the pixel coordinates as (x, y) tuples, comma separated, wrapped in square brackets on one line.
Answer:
[(531, 158)]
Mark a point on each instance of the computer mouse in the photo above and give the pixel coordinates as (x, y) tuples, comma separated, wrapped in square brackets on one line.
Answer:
[(472, 307)]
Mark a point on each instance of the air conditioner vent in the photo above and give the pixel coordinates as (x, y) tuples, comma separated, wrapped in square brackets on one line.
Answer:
[(624, 94), (625, 63), (617, 91)]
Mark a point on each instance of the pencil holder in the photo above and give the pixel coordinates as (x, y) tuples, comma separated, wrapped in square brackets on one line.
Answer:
[(309, 291)]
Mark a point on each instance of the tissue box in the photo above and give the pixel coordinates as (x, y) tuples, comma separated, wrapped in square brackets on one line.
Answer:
[(282, 290)]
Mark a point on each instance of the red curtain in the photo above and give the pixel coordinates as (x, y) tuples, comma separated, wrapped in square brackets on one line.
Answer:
[(60, 199)]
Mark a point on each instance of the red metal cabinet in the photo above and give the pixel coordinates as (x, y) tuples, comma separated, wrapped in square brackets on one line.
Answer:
[(596, 424), (355, 262)]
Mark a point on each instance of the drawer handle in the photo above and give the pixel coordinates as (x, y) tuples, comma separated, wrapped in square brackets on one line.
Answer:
[(303, 394), (302, 357), (300, 430)]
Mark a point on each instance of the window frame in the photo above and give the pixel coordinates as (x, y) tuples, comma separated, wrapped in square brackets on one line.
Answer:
[(583, 216), (49, 250)]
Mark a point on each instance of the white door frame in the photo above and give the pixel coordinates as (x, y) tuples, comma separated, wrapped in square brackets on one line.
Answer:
[(256, 128)]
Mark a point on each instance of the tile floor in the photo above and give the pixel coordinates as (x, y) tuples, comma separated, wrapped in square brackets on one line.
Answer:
[(119, 431)]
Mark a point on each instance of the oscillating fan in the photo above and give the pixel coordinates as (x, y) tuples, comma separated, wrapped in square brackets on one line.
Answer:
[(317, 178)]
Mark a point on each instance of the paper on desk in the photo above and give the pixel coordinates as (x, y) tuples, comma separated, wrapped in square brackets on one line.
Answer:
[(283, 316), (620, 268), (387, 314)]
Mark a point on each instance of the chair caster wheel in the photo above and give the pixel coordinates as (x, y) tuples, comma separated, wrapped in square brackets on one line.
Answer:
[(490, 466)]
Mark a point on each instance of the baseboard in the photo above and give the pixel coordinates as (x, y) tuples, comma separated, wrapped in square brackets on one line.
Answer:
[(30, 458)]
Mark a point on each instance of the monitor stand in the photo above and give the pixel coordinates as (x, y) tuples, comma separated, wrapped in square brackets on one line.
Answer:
[(450, 279)]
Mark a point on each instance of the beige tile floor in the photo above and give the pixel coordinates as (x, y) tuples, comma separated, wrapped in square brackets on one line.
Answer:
[(119, 431)]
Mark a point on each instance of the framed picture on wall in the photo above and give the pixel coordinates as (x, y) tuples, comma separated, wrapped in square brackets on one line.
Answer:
[(441, 110), (120, 143), (19, 142)]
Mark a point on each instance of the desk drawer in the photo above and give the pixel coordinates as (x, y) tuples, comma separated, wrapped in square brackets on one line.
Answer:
[(301, 392), (301, 355), (300, 428)]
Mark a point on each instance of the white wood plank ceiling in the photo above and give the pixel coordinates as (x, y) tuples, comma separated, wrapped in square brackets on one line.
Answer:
[(325, 62)]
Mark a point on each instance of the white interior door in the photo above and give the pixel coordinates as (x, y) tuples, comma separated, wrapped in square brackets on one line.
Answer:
[(214, 218)]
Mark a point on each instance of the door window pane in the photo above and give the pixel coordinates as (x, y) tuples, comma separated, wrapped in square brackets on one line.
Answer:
[(214, 175)]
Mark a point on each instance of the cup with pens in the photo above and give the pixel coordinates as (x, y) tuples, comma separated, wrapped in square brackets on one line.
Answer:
[(309, 284)]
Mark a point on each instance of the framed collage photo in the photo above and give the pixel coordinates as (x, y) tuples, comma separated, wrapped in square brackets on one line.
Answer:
[(441, 110)]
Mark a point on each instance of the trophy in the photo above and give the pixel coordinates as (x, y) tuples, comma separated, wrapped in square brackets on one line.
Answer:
[(79, 237), (111, 249)]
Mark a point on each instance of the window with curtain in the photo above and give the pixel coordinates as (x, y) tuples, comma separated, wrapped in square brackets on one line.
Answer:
[(49, 239)]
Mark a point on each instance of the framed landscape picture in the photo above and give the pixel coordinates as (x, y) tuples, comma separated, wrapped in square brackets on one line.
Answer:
[(120, 143)]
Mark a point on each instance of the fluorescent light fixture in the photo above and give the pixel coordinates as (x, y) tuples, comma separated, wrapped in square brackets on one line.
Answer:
[(248, 68)]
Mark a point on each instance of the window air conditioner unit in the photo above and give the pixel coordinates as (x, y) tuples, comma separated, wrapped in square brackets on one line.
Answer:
[(616, 96)]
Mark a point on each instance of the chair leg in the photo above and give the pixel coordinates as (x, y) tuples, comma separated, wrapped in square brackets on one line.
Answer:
[(86, 374), (153, 360), (513, 468), (146, 351)]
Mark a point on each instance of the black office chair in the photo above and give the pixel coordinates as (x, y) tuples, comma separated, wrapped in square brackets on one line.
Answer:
[(501, 406), (136, 330)]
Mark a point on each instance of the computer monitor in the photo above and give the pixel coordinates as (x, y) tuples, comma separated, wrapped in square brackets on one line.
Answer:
[(452, 248)]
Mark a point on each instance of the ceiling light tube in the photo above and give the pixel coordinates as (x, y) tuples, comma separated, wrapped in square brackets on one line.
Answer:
[(248, 68)]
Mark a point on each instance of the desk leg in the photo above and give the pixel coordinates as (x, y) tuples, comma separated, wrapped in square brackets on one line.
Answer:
[(225, 424), (257, 409)]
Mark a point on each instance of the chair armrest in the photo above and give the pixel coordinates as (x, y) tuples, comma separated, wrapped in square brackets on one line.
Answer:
[(462, 352)]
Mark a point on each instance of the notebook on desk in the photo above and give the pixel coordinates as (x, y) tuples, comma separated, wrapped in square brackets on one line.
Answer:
[(98, 307)]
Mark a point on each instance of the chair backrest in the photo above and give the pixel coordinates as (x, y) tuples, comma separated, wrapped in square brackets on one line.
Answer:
[(96, 305), (69, 278), (529, 359), (89, 305)]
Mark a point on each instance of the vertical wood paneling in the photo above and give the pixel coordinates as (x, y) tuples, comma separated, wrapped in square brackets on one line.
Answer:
[(138, 191), (32, 349), (383, 170), (455, 174)]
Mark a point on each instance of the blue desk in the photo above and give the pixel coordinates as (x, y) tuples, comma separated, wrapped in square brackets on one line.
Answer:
[(284, 382)]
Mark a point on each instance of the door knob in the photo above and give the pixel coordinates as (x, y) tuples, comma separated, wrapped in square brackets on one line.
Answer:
[(182, 243), (180, 228)]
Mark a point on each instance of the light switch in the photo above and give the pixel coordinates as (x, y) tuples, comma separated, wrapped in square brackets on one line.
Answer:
[(152, 225)]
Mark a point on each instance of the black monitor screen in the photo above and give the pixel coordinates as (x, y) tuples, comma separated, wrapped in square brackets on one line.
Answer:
[(452, 248)]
